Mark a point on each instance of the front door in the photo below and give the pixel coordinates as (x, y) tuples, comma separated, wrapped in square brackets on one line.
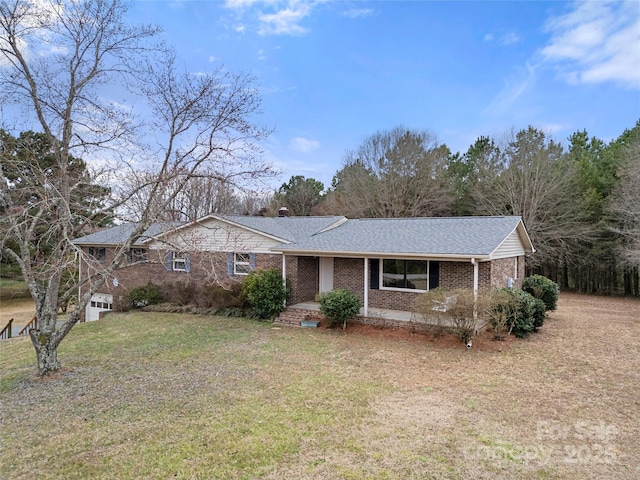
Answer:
[(326, 274)]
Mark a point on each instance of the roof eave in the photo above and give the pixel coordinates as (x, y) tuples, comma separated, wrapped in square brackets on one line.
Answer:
[(451, 257)]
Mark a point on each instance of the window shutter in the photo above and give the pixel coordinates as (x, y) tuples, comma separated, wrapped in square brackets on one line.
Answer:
[(252, 261), (374, 281), (168, 261), (434, 275), (129, 258), (187, 263), (229, 263)]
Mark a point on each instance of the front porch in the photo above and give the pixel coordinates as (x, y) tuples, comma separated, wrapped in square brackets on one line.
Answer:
[(305, 311)]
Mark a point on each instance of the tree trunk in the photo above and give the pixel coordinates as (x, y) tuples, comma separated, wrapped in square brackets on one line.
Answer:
[(46, 352)]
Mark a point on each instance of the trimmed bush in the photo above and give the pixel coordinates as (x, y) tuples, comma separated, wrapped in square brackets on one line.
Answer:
[(544, 289), (501, 312), (339, 306), (266, 293), (539, 314), (521, 308), (140, 297)]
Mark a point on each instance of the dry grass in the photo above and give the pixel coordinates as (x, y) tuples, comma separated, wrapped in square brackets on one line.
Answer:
[(181, 396)]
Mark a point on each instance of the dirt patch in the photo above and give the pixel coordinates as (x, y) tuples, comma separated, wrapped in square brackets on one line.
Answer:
[(483, 341)]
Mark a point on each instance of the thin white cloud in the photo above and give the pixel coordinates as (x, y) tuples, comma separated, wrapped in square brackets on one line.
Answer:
[(275, 17), (509, 38), (597, 42), (285, 21), (304, 145), (554, 128), (239, 4), (515, 87), (358, 12), (505, 39)]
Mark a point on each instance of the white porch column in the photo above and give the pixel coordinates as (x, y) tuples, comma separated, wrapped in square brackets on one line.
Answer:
[(284, 274), (366, 287), (474, 262)]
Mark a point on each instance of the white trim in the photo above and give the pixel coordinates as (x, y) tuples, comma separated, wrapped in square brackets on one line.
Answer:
[(237, 263), (176, 260), (399, 256), (284, 274), (366, 287), (475, 287)]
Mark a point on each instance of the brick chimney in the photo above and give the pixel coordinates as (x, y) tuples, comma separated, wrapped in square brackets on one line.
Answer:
[(283, 212)]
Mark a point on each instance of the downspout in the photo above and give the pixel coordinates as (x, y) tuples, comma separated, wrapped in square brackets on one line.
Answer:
[(366, 288)]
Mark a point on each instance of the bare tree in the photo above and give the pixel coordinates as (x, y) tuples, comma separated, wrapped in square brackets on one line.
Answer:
[(532, 178), (209, 192), (625, 203), (202, 124), (397, 173)]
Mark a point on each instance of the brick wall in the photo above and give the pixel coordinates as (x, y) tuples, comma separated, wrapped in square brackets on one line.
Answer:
[(391, 299), (205, 268), (303, 274), (505, 268), (460, 275), (349, 273)]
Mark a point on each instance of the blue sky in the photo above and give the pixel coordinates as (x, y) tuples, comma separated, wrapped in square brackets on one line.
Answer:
[(331, 73)]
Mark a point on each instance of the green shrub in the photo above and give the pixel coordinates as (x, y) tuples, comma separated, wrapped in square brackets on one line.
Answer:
[(521, 308), (501, 312), (339, 306), (140, 297), (265, 293), (539, 314), (543, 288)]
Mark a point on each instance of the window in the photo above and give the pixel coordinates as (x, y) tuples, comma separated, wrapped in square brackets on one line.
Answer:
[(241, 263), (515, 265), (177, 262), (100, 254), (408, 274), (420, 275), (137, 255)]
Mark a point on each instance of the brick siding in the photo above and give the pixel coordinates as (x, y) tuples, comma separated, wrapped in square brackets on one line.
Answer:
[(302, 275), (504, 268), (348, 273), (205, 268)]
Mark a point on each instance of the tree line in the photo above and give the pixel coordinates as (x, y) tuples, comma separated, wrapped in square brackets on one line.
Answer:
[(580, 203)]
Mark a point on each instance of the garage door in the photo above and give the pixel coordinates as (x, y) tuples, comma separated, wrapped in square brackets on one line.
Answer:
[(100, 302)]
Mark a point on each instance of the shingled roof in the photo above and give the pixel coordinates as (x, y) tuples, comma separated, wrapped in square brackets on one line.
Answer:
[(461, 237), (455, 236), (119, 234)]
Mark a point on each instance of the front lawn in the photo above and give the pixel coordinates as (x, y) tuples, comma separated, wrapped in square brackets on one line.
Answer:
[(149, 395)]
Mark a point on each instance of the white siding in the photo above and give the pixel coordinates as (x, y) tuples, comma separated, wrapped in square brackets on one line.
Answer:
[(512, 246), (215, 236)]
